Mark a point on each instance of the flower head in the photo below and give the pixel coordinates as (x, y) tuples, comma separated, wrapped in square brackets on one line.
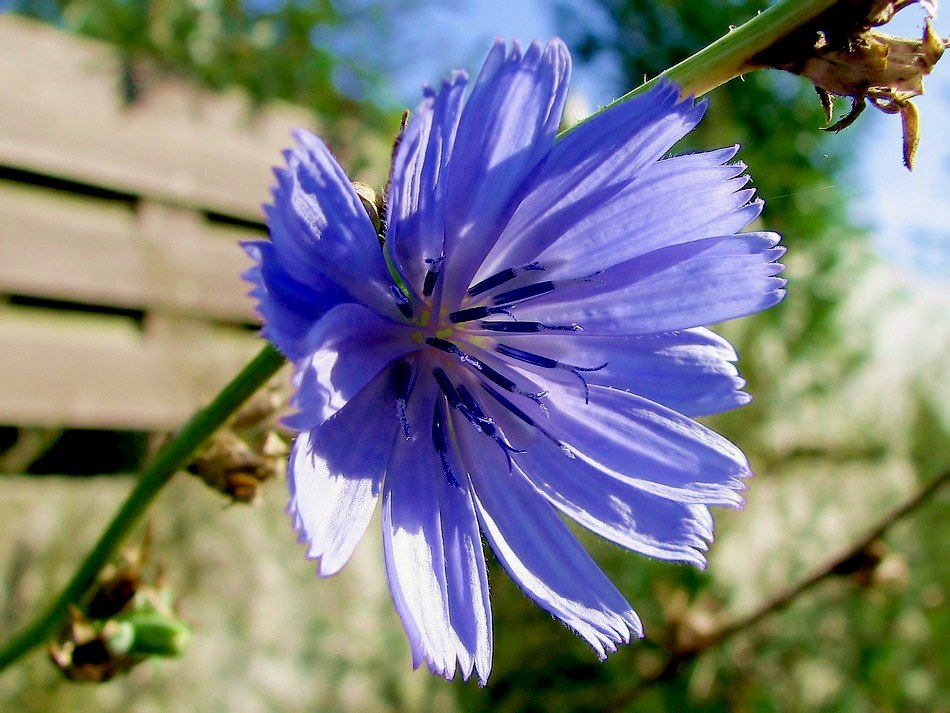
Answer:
[(527, 342)]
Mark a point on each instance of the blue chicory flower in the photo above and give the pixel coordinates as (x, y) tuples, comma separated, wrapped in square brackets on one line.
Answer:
[(528, 341)]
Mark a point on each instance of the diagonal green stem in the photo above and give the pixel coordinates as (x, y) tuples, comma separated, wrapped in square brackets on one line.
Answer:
[(169, 460), (731, 55), (725, 59)]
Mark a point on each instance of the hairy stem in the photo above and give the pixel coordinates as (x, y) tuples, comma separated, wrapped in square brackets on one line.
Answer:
[(169, 460), (731, 55)]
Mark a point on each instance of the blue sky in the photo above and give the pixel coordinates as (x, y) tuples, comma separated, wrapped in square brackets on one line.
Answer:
[(458, 34), (910, 212)]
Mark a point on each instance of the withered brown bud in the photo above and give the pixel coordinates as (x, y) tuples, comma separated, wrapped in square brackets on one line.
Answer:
[(82, 652), (238, 467), (247, 452), (844, 56), (129, 618)]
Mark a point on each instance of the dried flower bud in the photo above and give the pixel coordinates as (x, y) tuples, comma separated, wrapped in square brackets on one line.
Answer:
[(120, 581), (231, 465), (241, 457), (127, 621), (843, 56), (82, 652)]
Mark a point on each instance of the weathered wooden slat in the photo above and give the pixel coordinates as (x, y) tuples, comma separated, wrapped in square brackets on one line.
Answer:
[(96, 371), (62, 115), (55, 245)]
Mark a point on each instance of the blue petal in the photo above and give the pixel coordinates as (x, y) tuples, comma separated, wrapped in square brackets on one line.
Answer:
[(507, 127), (466, 576), (541, 554), (633, 518), (676, 287), (416, 202), (335, 473), (677, 200), (579, 194), (288, 308), (647, 445), (349, 346), (690, 371), (611, 507), (430, 543), (320, 229)]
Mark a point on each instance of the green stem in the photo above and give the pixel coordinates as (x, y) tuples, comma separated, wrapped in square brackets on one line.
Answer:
[(169, 460), (731, 55)]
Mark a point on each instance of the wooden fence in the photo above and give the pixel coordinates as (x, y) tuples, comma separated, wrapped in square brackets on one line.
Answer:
[(121, 305)]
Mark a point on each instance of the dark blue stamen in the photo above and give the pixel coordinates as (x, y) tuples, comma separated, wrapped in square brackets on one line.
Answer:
[(487, 424), (589, 368), (529, 327), (440, 442), (576, 371), (513, 327), (500, 278), (527, 292), (528, 357), (508, 405), (445, 384), (566, 449), (432, 276), (473, 313), (452, 349), (402, 385), (524, 293), (428, 286), (461, 400), (402, 302), (456, 400), (474, 412), (548, 363), (472, 405), (488, 372)]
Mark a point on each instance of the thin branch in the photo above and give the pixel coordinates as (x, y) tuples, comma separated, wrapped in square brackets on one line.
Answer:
[(781, 600)]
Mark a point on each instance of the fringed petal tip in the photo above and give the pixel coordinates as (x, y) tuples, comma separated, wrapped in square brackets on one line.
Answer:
[(324, 567), (307, 141), (463, 666), (735, 487), (668, 91), (258, 292), (554, 49), (305, 538), (254, 250), (667, 94), (624, 626), (454, 79), (559, 56), (446, 658)]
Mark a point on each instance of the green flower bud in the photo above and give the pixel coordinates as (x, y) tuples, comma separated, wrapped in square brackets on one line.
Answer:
[(149, 632)]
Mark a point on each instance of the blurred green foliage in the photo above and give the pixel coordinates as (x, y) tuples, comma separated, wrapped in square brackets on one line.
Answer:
[(274, 49)]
